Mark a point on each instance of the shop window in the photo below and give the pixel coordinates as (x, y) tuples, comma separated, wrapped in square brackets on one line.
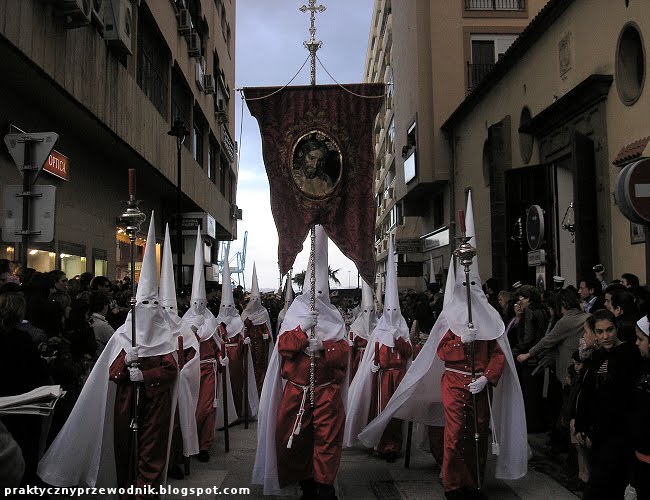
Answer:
[(123, 255), (100, 262), (42, 261), (72, 259), (630, 64)]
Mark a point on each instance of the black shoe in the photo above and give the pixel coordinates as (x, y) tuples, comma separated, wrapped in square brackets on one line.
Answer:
[(308, 487), (176, 473), (203, 456), (325, 492)]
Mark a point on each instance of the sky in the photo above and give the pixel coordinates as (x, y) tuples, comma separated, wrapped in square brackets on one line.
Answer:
[(269, 52)]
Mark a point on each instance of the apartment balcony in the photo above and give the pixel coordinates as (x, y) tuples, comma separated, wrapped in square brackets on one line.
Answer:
[(476, 73), (495, 5)]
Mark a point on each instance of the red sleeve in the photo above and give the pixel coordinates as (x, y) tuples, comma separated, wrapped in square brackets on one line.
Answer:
[(336, 353), (451, 348), (495, 365), (292, 342), (118, 372), (404, 348), (164, 374)]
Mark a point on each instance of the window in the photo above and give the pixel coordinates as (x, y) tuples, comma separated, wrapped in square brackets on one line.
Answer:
[(223, 165), (213, 159), (100, 262), (197, 144), (486, 51), (495, 4), (153, 63), (72, 259), (231, 198), (408, 153), (390, 137), (630, 64), (181, 102)]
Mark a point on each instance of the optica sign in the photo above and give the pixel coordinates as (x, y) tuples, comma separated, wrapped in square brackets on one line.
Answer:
[(57, 165)]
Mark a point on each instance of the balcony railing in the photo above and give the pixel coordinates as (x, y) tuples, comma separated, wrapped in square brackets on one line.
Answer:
[(476, 73), (495, 4)]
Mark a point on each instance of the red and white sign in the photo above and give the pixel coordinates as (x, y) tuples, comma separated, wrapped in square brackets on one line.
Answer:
[(57, 165), (632, 191)]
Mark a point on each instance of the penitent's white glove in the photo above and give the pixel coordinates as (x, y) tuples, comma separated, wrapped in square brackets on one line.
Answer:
[(468, 335), (309, 321), (478, 385), (315, 345), (131, 355), (135, 374), (374, 368), (265, 336), (224, 361), (247, 341)]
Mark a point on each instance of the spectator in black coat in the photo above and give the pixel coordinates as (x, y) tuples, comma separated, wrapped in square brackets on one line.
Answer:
[(640, 417)]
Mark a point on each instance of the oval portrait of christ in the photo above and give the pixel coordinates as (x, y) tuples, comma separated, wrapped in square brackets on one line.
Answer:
[(316, 164)]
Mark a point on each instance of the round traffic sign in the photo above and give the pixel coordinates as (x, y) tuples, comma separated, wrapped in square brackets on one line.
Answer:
[(632, 191), (535, 226)]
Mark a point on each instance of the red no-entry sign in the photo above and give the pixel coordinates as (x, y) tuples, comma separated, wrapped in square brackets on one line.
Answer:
[(633, 191)]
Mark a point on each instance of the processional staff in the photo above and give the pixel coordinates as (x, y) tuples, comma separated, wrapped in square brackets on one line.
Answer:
[(465, 253), (131, 220)]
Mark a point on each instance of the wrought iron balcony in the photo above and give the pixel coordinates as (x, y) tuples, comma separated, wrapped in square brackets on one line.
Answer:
[(495, 4), (476, 73)]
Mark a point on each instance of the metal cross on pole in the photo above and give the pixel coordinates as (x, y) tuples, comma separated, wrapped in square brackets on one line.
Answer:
[(312, 45)]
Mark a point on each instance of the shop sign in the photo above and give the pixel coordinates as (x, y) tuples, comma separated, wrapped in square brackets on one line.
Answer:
[(57, 165), (408, 245)]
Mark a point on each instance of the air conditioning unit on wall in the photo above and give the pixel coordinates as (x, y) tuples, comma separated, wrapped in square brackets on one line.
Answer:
[(118, 24), (209, 84), (194, 45), (184, 21), (77, 12)]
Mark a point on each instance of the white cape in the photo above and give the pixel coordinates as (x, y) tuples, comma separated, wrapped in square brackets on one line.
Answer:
[(330, 327), (83, 453), (418, 399)]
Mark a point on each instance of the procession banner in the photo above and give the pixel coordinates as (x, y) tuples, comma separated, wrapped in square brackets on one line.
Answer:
[(317, 145)]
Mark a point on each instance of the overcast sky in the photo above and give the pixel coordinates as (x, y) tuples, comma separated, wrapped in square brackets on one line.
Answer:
[(269, 51)]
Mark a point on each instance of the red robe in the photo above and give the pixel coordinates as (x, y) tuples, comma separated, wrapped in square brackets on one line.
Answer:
[(316, 450), (206, 411), (259, 350), (160, 373), (176, 450), (392, 368), (234, 347), (459, 462), (358, 348)]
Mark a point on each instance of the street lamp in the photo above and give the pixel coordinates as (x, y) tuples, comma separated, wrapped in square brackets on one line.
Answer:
[(180, 132)]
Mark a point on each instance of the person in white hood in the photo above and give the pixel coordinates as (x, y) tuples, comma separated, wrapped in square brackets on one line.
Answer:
[(438, 388), (298, 443), (361, 328), (288, 299), (93, 447), (257, 326), (185, 442), (381, 371)]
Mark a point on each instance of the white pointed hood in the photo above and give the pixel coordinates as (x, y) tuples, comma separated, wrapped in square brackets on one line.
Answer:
[(227, 311), (330, 322), (486, 319), (432, 271), (155, 332), (367, 319), (254, 310), (288, 299), (167, 290), (198, 312), (391, 320)]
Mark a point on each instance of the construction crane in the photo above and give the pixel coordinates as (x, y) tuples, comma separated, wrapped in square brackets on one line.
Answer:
[(236, 262)]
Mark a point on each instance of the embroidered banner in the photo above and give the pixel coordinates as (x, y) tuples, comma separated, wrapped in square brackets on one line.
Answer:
[(318, 153)]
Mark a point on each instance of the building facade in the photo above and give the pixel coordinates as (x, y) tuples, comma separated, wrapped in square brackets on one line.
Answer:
[(432, 54), (111, 77), (542, 139)]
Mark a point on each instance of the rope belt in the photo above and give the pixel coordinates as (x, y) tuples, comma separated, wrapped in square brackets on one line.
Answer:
[(298, 422), (390, 369), (213, 362), (469, 374), (232, 345)]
